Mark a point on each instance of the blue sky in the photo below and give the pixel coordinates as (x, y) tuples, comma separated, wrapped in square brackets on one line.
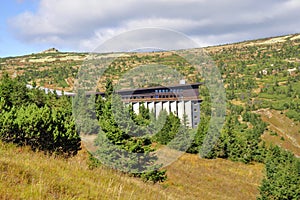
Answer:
[(9, 45), (29, 26)]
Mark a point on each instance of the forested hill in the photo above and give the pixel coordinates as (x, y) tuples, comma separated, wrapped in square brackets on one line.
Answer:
[(262, 122), (57, 70), (262, 74)]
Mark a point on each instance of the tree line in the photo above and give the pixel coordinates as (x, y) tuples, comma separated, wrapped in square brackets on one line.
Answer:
[(42, 121)]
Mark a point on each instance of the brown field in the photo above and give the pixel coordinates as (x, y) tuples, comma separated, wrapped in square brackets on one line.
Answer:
[(193, 178), (29, 175)]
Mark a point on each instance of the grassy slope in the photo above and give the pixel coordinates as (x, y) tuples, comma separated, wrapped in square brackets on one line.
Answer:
[(195, 178), (28, 175), (287, 132), (270, 54)]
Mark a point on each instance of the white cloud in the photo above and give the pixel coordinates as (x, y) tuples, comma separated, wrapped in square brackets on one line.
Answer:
[(82, 25)]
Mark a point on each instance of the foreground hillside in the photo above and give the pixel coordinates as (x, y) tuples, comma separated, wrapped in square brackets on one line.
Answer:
[(28, 175)]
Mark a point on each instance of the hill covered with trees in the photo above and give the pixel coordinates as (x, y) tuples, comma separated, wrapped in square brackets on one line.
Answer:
[(261, 125)]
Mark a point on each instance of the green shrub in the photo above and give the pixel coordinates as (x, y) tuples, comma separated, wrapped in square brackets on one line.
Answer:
[(292, 114), (45, 129)]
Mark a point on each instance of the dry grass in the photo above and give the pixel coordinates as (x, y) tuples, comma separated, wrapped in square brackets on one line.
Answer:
[(28, 175), (287, 130), (193, 178)]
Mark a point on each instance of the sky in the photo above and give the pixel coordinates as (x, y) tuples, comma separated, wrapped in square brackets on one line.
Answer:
[(30, 26)]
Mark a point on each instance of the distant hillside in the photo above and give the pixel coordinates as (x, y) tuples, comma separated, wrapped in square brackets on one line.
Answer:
[(58, 70), (263, 71)]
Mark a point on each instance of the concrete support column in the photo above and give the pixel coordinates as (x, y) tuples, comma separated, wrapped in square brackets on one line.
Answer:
[(158, 108), (151, 106), (166, 106), (173, 105), (180, 111), (188, 112), (136, 107)]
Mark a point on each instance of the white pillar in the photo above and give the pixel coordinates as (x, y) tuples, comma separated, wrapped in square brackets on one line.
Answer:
[(174, 107), (166, 106), (180, 111), (151, 106), (136, 107), (158, 108), (188, 112)]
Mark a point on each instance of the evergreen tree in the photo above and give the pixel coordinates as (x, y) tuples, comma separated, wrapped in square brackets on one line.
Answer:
[(108, 88), (31, 117), (282, 178), (169, 129), (13, 91), (123, 141)]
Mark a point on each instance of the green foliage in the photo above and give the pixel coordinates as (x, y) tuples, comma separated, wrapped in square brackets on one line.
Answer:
[(93, 162), (51, 72), (109, 88), (28, 120), (200, 135), (169, 129), (84, 113), (183, 140), (123, 141), (293, 114), (235, 142), (143, 118), (13, 91), (154, 176), (282, 178), (43, 129)]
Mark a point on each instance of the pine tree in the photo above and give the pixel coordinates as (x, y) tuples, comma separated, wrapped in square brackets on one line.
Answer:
[(123, 141), (282, 176)]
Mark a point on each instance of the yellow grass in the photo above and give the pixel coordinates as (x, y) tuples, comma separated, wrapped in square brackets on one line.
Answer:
[(28, 175), (194, 178)]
